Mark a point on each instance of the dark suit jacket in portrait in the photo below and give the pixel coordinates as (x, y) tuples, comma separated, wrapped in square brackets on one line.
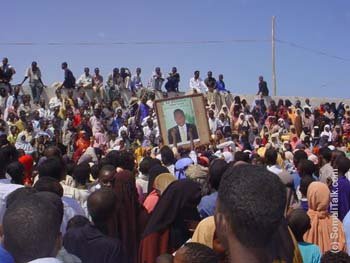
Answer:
[(189, 127)]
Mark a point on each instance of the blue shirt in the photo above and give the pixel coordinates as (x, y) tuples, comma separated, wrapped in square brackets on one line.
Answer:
[(207, 204), (309, 252), (220, 86), (5, 257), (144, 111)]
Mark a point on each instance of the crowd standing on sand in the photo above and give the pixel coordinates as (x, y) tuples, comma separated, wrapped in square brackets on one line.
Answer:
[(89, 179)]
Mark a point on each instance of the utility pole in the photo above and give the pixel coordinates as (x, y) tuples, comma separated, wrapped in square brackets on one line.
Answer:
[(273, 57)]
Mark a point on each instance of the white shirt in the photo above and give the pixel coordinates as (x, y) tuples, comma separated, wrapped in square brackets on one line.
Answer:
[(183, 132), (274, 169), (33, 76), (54, 102), (198, 85), (84, 80), (147, 131), (213, 124), (5, 190), (46, 260)]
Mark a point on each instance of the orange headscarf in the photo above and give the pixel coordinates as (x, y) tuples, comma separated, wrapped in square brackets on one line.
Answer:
[(326, 230)]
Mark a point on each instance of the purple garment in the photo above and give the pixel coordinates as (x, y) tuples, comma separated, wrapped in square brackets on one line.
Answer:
[(343, 194), (144, 111)]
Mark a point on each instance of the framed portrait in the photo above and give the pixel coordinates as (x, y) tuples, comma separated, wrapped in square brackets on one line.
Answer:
[(183, 118)]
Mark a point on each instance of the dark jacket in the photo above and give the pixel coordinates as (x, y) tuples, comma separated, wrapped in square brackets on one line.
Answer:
[(189, 127)]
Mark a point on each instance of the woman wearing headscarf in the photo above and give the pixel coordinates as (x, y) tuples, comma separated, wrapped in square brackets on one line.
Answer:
[(131, 217), (322, 228), (154, 171), (81, 145), (327, 132), (160, 184), (167, 229), (298, 122)]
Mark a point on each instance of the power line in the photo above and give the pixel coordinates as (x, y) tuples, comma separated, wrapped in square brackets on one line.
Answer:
[(311, 50)]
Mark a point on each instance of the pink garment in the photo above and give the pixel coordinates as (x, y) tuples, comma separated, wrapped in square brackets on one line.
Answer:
[(100, 140), (151, 201)]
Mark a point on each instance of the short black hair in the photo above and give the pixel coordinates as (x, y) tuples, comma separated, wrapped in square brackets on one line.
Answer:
[(16, 171), (242, 156), (326, 153), (19, 194), (306, 167), (145, 164), (179, 111), (298, 156), (127, 160), (299, 223), (101, 206), (305, 181), (167, 155), (52, 167), (216, 170), (199, 253), (342, 164), (31, 228), (77, 221), (49, 184), (253, 202), (81, 173), (335, 257), (270, 156)]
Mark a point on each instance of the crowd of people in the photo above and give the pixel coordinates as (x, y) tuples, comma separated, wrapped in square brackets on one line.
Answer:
[(90, 180)]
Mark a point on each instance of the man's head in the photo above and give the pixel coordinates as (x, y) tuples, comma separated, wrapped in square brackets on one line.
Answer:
[(174, 70), (195, 253), (210, 74), (298, 156), (97, 71), (5, 61), (64, 65), (271, 156), (196, 74), (52, 167), (250, 206), (221, 77), (299, 223), (157, 70), (81, 173), (106, 175), (179, 117), (138, 71), (167, 155), (31, 227), (216, 170), (86, 71), (101, 206), (34, 65), (49, 184), (261, 78)]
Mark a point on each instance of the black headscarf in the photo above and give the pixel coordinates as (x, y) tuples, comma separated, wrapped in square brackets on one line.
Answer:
[(177, 205), (153, 173)]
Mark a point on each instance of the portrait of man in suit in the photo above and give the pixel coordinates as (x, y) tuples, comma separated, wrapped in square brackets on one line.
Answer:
[(183, 131)]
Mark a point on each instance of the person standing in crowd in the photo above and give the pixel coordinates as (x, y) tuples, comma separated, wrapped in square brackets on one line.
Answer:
[(6, 73), (69, 79), (196, 84), (157, 79), (35, 82), (97, 85), (210, 81), (263, 90), (172, 84), (85, 80), (136, 81), (220, 84)]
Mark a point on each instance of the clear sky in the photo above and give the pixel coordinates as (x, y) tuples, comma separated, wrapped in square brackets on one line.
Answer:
[(318, 24)]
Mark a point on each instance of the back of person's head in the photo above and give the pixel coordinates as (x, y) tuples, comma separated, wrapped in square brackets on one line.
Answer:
[(127, 161), (335, 257), (81, 173), (304, 184), (53, 151), (16, 171), (52, 167), (101, 205), (326, 154), (77, 221), (299, 223), (195, 253), (251, 203), (298, 156), (49, 184), (271, 156), (113, 158), (31, 228), (145, 165), (216, 170), (95, 169), (242, 156), (342, 164), (167, 155), (19, 194), (306, 167)]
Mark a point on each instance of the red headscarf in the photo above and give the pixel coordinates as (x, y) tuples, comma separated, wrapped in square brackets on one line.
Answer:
[(27, 162)]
